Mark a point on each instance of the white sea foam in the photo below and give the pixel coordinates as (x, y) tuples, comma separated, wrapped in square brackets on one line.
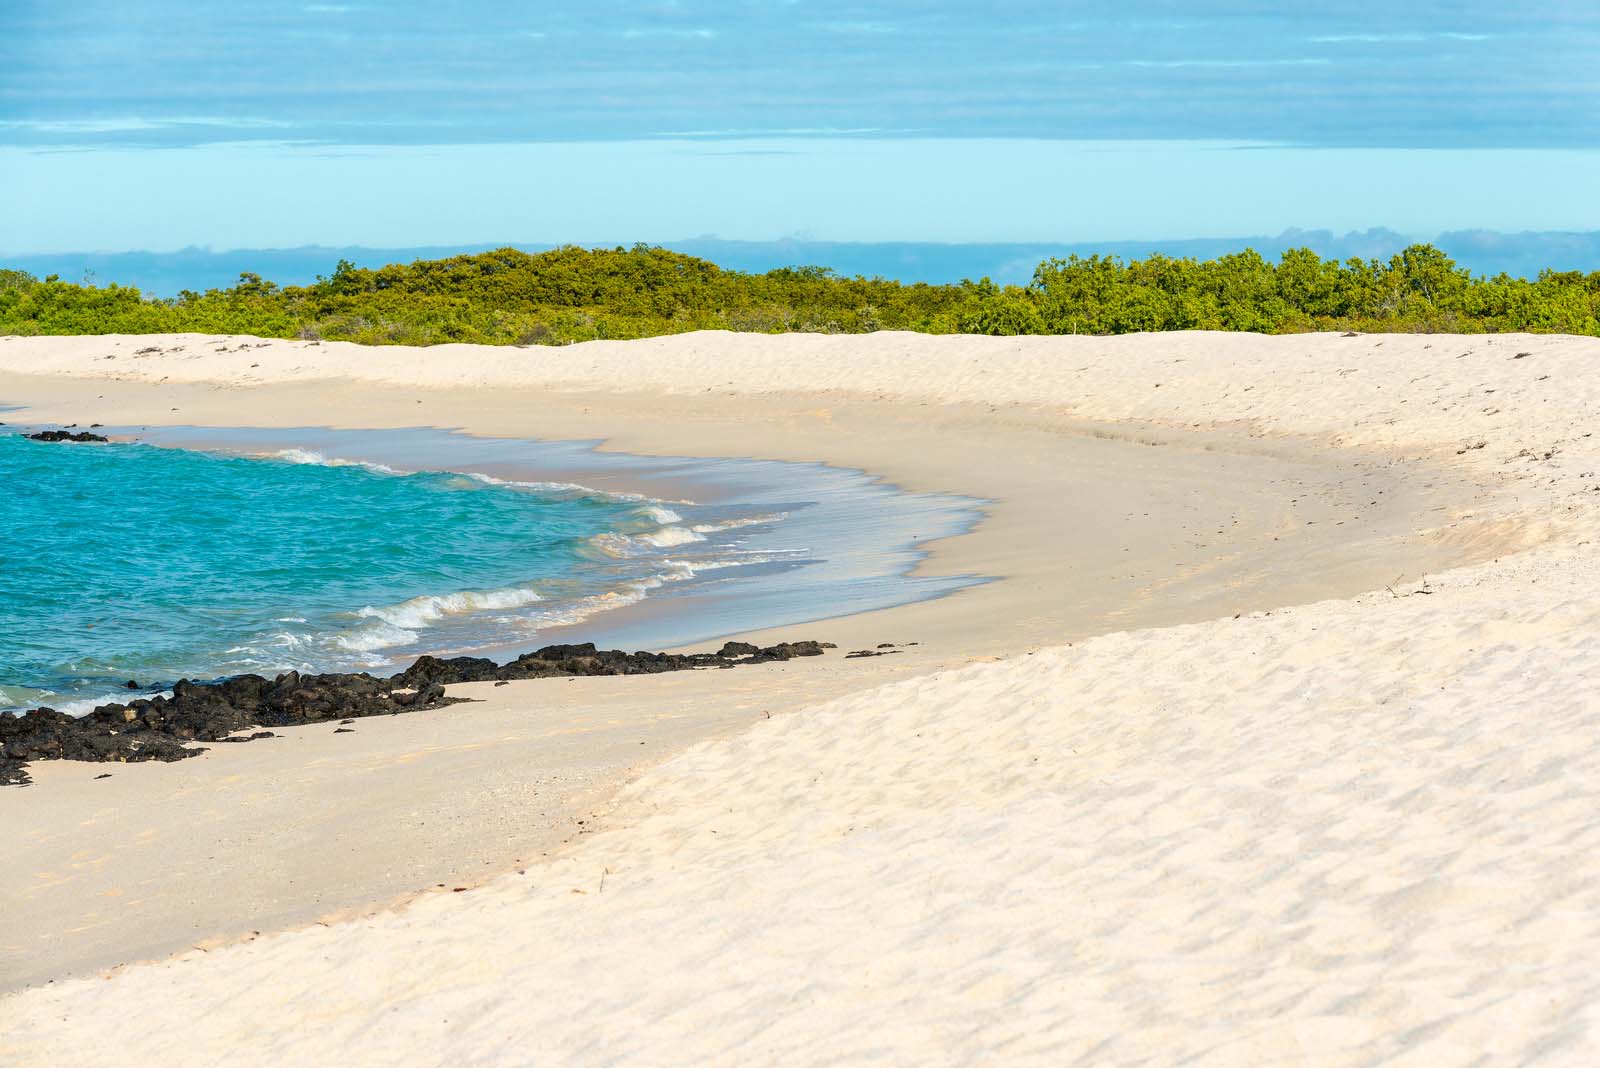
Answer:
[(401, 624), (374, 637), (667, 537), (629, 593), (654, 508), (697, 566), (575, 489), (620, 546), (82, 706), (27, 697), (298, 456), (735, 524), (310, 457), (657, 514), (421, 612)]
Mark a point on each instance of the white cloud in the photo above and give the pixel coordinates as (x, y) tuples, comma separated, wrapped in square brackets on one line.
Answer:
[(688, 35), (1398, 38), (140, 123), (1227, 64), (857, 26), (791, 131)]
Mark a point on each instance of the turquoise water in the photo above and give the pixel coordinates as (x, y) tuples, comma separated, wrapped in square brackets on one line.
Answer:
[(126, 561), (133, 561)]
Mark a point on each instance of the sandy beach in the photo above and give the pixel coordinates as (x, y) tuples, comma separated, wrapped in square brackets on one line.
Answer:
[(1270, 742)]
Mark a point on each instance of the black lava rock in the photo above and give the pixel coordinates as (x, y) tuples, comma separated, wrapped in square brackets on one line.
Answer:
[(162, 728), (555, 661), (64, 435)]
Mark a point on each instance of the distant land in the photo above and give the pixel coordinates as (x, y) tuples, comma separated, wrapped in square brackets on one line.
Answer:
[(1484, 252)]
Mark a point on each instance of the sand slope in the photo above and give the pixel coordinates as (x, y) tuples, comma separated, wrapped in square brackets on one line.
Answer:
[(1350, 833)]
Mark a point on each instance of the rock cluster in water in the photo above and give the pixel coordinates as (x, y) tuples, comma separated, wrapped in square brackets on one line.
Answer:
[(64, 435), (158, 728)]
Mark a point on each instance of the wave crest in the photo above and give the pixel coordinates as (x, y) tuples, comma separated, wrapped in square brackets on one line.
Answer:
[(419, 612), (312, 458)]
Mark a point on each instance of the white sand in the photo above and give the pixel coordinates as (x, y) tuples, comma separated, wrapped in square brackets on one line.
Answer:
[(1355, 832)]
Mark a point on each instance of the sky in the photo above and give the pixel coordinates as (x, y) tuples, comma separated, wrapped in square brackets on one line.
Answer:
[(158, 124)]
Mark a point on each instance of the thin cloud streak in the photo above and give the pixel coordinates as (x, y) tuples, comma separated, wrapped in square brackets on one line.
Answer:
[(1227, 64), (624, 69), (1399, 38), (137, 123)]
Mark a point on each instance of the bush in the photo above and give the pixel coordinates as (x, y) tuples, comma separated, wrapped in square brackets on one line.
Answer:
[(574, 294)]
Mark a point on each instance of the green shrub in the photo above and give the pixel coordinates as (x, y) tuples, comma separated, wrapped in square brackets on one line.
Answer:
[(573, 294)]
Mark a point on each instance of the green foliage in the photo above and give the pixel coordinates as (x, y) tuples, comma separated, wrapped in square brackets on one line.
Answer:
[(1005, 312), (574, 294), (10, 279)]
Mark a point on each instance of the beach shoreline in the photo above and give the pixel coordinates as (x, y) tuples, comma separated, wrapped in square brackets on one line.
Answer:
[(694, 549), (1214, 435)]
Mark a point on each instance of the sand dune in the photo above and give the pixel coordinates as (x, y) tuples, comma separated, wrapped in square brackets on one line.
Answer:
[(1353, 832)]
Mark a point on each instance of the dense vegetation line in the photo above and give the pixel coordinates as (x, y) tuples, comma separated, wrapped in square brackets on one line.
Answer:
[(574, 294)]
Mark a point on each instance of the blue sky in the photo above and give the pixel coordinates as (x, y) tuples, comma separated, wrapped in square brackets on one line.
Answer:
[(159, 124)]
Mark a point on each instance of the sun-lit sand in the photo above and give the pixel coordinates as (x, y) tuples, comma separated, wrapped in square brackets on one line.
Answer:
[(1119, 807)]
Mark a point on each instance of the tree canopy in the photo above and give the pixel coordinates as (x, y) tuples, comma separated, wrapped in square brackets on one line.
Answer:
[(575, 294)]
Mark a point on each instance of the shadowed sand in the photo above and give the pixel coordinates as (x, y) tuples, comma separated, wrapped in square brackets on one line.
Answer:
[(1359, 830)]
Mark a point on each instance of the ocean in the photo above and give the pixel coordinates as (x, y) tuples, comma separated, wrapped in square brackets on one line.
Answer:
[(202, 552)]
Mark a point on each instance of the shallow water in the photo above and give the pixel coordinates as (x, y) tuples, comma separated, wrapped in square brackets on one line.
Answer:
[(197, 552)]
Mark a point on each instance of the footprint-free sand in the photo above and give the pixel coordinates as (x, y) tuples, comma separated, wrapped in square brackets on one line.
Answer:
[(1273, 742)]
